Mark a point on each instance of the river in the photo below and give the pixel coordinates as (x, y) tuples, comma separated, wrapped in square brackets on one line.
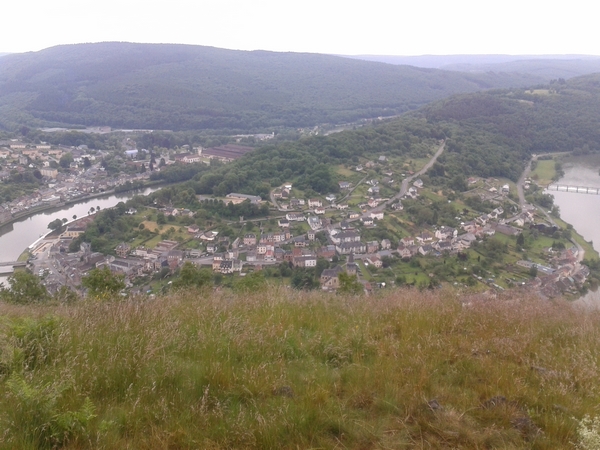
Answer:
[(582, 210), (16, 237)]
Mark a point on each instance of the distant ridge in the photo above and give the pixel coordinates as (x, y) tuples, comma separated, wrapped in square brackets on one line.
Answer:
[(186, 87), (546, 66)]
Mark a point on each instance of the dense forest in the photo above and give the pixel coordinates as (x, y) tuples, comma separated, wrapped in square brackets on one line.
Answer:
[(179, 87), (487, 134)]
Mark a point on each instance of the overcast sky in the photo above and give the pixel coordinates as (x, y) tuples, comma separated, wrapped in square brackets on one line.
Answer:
[(400, 27)]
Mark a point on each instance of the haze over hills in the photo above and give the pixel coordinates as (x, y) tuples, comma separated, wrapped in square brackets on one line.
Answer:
[(547, 67), (179, 87)]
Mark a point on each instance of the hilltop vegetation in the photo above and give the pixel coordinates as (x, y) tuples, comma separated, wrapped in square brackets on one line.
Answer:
[(281, 369), (181, 87)]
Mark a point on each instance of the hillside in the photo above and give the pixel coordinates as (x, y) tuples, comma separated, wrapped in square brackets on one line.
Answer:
[(281, 370), (494, 133), (547, 67), (180, 87)]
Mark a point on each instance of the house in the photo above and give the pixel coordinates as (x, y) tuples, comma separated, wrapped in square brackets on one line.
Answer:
[(443, 246), (386, 244), (425, 249), (193, 229), (345, 236), (418, 183), (122, 250), (314, 202), (320, 210), (187, 158), (300, 241), (375, 261), (250, 239), (305, 261), (377, 215), (372, 246), (330, 198), (329, 278), (506, 229), (425, 236), (367, 221), (295, 217), (344, 185), (404, 252), (229, 266), (446, 233), (407, 241), (345, 248)]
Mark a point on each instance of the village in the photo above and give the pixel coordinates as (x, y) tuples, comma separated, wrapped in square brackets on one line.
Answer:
[(308, 232), (360, 229)]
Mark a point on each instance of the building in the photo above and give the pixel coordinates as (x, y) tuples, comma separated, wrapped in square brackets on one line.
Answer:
[(227, 152), (123, 250), (254, 199)]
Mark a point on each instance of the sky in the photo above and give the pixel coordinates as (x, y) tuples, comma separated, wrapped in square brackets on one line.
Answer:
[(374, 27)]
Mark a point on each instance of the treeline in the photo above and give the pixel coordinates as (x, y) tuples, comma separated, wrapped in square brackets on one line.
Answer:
[(308, 162), (177, 87), (493, 133)]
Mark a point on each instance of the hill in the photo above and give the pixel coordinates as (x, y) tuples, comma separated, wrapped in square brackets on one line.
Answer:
[(494, 133), (278, 369), (181, 87), (547, 67)]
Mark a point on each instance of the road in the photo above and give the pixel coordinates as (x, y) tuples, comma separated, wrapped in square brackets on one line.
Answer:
[(407, 181), (524, 205)]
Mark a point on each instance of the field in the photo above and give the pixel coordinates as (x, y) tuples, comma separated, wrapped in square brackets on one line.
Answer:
[(544, 172), (282, 369)]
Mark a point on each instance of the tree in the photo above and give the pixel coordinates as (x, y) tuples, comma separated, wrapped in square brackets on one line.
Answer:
[(65, 160), (55, 224), (349, 284), (252, 282), (103, 283), (24, 288), (520, 240), (533, 271), (74, 216), (192, 276)]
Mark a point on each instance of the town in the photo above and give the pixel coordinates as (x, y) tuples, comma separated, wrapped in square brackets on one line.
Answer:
[(375, 228)]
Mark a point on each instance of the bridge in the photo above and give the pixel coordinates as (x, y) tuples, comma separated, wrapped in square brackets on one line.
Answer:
[(574, 189), (13, 263), (8, 266)]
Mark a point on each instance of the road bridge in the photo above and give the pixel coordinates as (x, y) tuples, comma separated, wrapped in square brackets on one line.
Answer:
[(572, 188)]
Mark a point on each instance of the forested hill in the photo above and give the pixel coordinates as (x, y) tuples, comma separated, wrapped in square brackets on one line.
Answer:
[(547, 67), (488, 134), (181, 87), (493, 133)]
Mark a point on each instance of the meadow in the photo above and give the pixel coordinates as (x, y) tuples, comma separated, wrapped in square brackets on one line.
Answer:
[(284, 369)]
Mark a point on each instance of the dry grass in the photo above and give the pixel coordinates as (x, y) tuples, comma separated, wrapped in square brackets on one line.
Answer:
[(281, 369)]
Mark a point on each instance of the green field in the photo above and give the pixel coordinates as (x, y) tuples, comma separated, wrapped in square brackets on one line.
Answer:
[(281, 369), (544, 172)]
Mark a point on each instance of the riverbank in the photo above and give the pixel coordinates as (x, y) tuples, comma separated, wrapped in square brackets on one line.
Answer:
[(59, 205)]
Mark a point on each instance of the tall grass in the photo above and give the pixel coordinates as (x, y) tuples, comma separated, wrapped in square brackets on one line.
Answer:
[(281, 369)]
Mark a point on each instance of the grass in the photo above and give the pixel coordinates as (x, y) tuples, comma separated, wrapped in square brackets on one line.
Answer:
[(282, 369), (544, 172)]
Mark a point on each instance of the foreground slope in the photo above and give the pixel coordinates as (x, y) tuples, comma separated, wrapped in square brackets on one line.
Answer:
[(282, 369), (181, 87)]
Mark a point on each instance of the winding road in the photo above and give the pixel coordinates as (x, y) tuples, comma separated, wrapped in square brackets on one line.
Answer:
[(406, 181)]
